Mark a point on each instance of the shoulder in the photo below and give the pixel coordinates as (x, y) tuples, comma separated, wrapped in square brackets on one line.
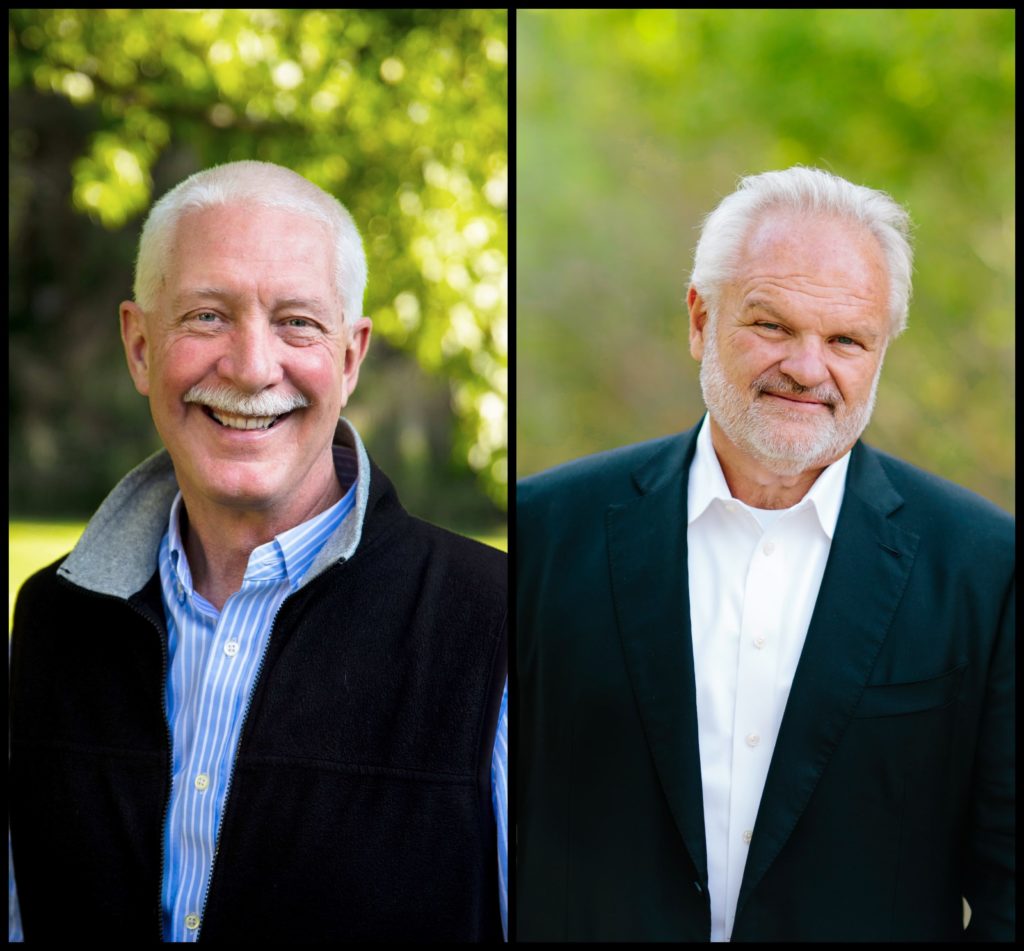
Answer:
[(943, 508), (464, 558), (45, 604), (395, 540), (600, 479), (40, 587)]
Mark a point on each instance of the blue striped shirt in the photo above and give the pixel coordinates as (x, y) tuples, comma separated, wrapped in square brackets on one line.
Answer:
[(214, 660), (214, 657), (499, 799)]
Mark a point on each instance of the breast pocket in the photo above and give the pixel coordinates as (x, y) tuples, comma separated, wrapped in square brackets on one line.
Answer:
[(894, 700)]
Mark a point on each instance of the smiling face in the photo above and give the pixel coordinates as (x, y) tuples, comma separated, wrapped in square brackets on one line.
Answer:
[(247, 328), (790, 363)]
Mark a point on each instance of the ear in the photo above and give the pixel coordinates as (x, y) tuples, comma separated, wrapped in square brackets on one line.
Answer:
[(135, 337), (355, 350), (698, 321)]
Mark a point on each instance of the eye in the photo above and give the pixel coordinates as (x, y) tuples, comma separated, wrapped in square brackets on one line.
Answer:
[(768, 326), (847, 341), (301, 328), (206, 317)]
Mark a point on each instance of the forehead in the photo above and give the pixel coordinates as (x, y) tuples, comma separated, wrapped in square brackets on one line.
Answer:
[(814, 256), (242, 246)]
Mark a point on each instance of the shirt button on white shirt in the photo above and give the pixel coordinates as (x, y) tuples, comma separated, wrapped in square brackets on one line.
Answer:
[(202, 781), (752, 740), (231, 648), (192, 922), (744, 585)]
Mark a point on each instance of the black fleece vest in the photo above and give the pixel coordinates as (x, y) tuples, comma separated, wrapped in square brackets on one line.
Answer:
[(360, 805)]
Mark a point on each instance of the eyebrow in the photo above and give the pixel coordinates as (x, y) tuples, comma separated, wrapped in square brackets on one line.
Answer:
[(859, 329), (220, 293)]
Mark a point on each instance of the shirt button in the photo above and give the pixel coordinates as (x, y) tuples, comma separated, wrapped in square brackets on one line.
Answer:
[(202, 781), (181, 593), (747, 836), (191, 922), (231, 648), (768, 548), (759, 642), (753, 739), (731, 507)]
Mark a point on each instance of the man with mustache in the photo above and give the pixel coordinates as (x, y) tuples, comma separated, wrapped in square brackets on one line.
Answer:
[(765, 672), (258, 700)]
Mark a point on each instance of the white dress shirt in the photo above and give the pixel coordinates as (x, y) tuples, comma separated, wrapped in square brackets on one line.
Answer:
[(754, 577)]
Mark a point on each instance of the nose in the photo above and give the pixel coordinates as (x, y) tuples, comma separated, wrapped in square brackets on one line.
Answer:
[(251, 361), (804, 362)]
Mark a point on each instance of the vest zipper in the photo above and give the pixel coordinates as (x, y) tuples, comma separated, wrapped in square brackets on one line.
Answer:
[(234, 762), (164, 663)]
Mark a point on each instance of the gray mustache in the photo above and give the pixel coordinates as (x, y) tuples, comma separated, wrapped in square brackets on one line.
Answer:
[(785, 386), (227, 400)]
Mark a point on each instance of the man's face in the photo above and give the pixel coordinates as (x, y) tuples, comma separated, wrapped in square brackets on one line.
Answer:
[(248, 321), (790, 364)]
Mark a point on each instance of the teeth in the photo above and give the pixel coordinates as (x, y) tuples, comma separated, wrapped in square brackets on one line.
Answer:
[(243, 422)]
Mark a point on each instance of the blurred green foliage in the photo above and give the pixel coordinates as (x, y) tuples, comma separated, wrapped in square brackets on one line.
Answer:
[(402, 114), (633, 124)]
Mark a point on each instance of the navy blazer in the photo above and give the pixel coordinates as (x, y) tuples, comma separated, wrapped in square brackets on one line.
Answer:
[(890, 792)]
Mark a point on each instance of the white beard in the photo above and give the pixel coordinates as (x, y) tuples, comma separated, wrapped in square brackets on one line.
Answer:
[(786, 442)]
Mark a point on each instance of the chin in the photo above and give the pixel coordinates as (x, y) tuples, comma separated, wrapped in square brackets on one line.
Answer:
[(789, 457), (238, 490), (789, 466)]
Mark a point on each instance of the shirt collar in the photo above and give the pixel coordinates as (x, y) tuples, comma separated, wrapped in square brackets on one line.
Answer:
[(707, 484), (286, 556)]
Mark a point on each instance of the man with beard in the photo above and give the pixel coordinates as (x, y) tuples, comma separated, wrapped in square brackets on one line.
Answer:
[(765, 672)]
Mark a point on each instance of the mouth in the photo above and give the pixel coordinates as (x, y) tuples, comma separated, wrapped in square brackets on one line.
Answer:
[(797, 403), (244, 423)]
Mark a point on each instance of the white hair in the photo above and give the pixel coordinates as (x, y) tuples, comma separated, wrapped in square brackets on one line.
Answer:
[(260, 183), (813, 191)]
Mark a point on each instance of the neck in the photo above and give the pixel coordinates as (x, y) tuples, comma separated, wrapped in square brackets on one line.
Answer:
[(218, 540), (753, 482)]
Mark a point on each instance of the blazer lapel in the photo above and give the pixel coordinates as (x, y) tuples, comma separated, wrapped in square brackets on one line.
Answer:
[(865, 576), (647, 561)]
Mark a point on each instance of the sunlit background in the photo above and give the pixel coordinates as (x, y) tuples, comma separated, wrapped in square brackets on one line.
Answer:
[(402, 114), (633, 124)]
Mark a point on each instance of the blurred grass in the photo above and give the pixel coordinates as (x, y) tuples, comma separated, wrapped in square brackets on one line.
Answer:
[(34, 545)]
